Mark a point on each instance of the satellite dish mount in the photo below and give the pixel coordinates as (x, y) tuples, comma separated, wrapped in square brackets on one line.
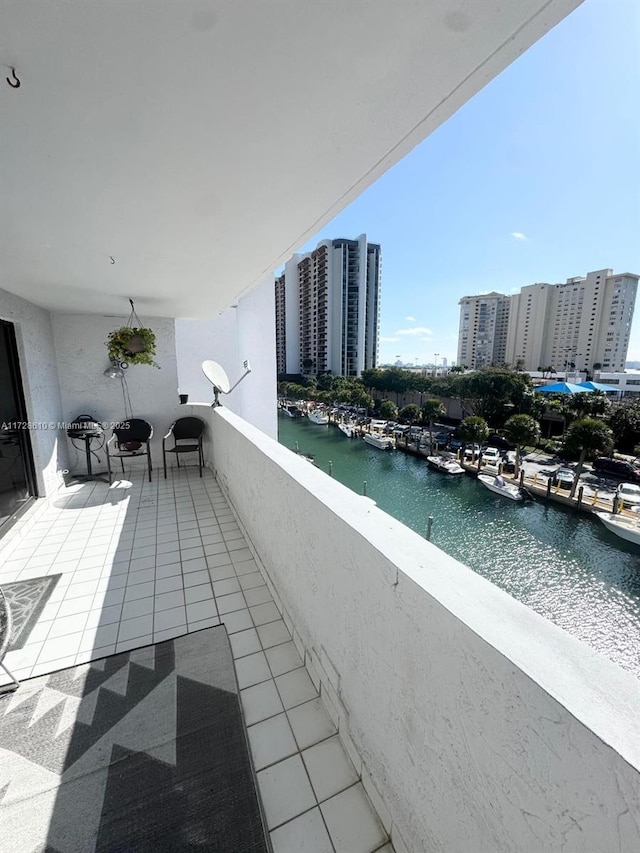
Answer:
[(217, 376)]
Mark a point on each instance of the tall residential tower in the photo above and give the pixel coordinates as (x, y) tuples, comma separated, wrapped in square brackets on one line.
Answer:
[(328, 309), (584, 322), (482, 337)]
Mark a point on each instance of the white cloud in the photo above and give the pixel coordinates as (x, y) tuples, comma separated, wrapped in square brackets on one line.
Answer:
[(389, 340), (410, 319), (416, 330), (518, 235)]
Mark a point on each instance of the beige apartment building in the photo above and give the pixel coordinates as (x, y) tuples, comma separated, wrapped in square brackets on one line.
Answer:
[(583, 324), (482, 337)]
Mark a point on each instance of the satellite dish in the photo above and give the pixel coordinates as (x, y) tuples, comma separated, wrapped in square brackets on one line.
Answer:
[(217, 376)]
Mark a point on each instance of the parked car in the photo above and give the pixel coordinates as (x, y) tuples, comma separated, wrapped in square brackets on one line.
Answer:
[(455, 444), (564, 478), (471, 451), (629, 493), (617, 468), (491, 456), (509, 461), (496, 440)]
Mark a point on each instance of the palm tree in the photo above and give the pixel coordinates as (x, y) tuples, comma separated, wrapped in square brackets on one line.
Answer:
[(521, 430), (474, 430), (587, 436), (431, 409)]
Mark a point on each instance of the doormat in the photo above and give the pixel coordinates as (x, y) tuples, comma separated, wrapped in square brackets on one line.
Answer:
[(143, 751)]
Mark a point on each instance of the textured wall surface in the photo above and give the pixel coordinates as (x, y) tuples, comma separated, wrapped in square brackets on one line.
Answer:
[(484, 727), (246, 331), (82, 359), (41, 389)]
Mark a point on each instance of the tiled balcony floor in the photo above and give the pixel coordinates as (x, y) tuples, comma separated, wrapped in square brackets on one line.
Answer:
[(143, 562)]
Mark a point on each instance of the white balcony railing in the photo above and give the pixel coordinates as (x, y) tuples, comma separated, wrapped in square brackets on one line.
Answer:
[(478, 725)]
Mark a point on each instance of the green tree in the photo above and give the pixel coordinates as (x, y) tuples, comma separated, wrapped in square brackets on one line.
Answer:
[(410, 413), (625, 424), (495, 393), (457, 368), (431, 409), (474, 430), (521, 430), (587, 437), (388, 410)]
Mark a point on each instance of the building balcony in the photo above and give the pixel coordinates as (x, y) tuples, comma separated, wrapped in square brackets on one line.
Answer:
[(140, 563), (443, 707)]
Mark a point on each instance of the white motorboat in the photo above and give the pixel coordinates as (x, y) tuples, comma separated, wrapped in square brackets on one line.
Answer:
[(318, 417), (381, 442), (499, 486), (348, 429), (290, 410), (623, 526), (444, 465)]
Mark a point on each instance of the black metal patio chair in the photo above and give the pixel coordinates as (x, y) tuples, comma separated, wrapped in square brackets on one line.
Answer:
[(187, 438), (130, 438)]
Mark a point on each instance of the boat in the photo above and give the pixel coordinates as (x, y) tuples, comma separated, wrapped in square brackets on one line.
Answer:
[(318, 417), (624, 527), (290, 410), (348, 429), (507, 490), (444, 465), (381, 442)]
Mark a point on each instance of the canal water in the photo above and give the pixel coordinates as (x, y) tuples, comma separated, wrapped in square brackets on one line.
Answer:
[(564, 565)]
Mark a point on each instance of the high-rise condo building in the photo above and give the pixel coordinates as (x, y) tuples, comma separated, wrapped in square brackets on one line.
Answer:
[(482, 337), (581, 323), (328, 309)]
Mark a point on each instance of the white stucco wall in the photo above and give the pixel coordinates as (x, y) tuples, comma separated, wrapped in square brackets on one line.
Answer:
[(246, 331), (41, 389), (82, 358), (483, 726)]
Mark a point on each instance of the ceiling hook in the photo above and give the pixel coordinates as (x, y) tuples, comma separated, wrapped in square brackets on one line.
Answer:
[(112, 259), (16, 84)]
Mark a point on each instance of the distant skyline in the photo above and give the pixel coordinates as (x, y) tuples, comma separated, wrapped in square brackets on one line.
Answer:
[(536, 179)]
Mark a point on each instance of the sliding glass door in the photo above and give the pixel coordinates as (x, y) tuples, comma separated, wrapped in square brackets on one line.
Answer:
[(17, 481)]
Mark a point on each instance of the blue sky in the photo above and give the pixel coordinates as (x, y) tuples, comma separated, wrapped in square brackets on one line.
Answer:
[(537, 178)]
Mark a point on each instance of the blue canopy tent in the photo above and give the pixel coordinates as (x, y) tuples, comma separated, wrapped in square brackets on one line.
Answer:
[(598, 386), (564, 388)]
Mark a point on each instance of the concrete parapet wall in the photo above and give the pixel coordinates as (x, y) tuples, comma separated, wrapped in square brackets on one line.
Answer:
[(478, 725)]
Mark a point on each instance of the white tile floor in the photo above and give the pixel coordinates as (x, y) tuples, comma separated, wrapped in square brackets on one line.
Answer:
[(142, 562)]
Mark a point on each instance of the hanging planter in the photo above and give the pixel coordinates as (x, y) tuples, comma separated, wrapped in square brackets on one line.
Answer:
[(132, 344)]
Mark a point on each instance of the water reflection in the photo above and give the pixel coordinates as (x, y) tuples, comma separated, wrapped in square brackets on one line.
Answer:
[(565, 566)]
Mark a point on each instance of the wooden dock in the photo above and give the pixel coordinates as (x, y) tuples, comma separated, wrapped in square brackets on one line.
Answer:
[(538, 485)]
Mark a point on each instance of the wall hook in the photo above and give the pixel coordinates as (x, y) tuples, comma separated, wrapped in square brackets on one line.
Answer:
[(16, 84), (112, 259)]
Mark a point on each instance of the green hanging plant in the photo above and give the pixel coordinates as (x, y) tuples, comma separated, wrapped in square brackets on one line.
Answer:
[(132, 344)]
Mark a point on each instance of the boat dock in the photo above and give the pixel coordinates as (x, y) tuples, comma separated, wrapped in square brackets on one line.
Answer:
[(542, 487)]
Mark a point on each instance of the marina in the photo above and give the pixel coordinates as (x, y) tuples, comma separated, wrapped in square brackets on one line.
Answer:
[(565, 565)]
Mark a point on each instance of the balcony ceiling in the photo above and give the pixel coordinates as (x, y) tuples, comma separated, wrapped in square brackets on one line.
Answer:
[(197, 143)]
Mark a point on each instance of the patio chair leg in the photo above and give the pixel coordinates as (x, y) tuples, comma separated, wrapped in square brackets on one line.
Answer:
[(8, 688), (149, 463), (200, 458), (109, 468), (164, 462), (122, 464)]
